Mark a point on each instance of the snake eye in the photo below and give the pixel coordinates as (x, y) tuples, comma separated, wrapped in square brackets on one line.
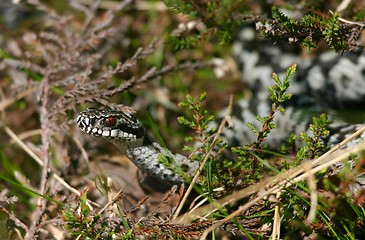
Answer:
[(110, 122)]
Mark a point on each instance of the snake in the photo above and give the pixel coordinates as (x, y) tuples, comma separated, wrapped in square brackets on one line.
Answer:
[(322, 83), (129, 135)]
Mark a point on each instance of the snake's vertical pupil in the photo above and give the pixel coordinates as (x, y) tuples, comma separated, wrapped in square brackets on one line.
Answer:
[(110, 121)]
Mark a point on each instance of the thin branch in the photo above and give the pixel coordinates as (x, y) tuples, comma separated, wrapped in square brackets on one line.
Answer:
[(16, 221), (45, 148)]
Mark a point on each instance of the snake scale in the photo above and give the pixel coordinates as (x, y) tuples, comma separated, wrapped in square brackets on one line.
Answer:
[(322, 83)]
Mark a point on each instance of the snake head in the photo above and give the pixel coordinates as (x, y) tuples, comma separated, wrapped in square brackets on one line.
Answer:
[(119, 127)]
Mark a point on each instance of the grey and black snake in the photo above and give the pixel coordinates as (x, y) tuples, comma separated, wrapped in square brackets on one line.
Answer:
[(129, 135), (322, 83)]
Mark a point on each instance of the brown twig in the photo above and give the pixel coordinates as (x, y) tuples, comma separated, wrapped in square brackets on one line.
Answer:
[(45, 145)]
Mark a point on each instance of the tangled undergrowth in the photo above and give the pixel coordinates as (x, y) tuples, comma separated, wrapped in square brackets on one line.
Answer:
[(57, 183)]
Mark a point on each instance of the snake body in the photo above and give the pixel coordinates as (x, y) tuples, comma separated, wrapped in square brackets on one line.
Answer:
[(324, 82), (129, 135)]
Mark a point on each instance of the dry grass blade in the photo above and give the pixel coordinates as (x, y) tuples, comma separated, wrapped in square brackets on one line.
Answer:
[(312, 184), (276, 223)]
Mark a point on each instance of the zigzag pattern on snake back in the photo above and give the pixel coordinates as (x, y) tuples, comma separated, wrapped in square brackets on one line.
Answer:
[(325, 82)]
